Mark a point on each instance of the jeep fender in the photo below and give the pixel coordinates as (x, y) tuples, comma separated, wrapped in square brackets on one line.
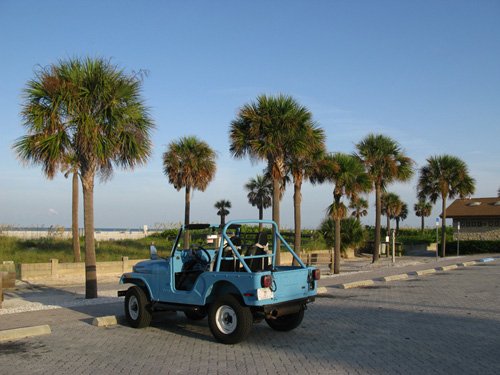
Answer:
[(221, 288), (139, 281)]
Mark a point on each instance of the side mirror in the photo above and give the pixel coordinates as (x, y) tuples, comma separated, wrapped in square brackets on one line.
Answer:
[(153, 253)]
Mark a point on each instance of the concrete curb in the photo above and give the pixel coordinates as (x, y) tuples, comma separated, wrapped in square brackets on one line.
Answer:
[(105, 321), (401, 276), (447, 268), (465, 264), (21, 333), (425, 272), (322, 290), (356, 284)]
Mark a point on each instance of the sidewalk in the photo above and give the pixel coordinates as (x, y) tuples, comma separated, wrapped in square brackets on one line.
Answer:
[(56, 303)]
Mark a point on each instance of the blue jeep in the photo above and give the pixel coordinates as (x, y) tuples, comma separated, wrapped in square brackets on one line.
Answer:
[(219, 275)]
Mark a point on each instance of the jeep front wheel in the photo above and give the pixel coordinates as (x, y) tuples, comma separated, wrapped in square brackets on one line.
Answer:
[(229, 321), (137, 308)]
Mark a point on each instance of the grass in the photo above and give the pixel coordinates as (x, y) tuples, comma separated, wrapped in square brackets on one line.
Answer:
[(43, 249)]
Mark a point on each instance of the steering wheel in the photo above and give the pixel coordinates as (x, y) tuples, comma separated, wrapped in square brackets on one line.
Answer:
[(197, 261), (199, 257)]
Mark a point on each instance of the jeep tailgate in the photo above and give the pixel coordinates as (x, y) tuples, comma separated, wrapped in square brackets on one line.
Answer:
[(290, 284)]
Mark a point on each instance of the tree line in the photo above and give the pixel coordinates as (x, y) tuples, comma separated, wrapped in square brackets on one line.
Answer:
[(85, 117)]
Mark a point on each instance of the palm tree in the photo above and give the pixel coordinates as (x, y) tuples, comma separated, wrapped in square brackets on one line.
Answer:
[(359, 207), (301, 166), (189, 163), (391, 207), (259, 194), (222, 210), (99, 117), (422, 209), (349, 179), (403, 214), (28, 147), (271, 129), (385, 163), (444, 176)]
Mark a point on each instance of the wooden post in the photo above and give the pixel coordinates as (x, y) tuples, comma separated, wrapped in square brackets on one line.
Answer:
[(124, 264), (54, 263)]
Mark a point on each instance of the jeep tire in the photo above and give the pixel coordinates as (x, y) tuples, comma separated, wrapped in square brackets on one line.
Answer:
[(286, 322), (137, 308), (229, 321)]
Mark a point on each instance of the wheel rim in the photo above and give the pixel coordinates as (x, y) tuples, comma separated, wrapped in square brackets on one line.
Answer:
[(133, 307), (226, 319)]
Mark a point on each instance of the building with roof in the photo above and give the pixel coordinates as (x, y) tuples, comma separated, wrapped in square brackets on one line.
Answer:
[(476, 218)]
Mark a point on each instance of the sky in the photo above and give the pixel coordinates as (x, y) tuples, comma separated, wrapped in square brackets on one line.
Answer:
[(426, 73)]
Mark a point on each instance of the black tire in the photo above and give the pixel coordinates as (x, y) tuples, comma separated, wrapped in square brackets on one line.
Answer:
[(229, 321), (137, 308), (286, 322), (196, 314)]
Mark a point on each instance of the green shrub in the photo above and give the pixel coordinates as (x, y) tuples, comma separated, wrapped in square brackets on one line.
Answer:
[(471, 247), (352, 232)]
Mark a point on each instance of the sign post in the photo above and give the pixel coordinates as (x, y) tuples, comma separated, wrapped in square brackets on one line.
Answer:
[(437, 239), (393, 246), (458, 238)]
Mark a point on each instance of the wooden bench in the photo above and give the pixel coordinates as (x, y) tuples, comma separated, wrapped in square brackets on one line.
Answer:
[(317, 259)]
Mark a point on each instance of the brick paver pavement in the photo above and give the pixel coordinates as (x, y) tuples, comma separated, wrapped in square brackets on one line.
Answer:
[(445, 323)]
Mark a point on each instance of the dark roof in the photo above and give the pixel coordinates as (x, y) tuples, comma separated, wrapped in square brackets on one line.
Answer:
[(474, 207)]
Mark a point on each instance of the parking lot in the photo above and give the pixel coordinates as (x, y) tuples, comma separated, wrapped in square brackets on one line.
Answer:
[(447, 322)]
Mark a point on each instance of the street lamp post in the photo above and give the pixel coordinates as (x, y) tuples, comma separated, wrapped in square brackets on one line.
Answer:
[(458, 238)]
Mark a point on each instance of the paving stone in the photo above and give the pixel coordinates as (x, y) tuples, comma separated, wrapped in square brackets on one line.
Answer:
[(439, 324)]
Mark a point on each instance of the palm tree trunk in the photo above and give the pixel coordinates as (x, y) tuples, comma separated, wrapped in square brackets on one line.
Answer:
[(297, 198), (397, 225), (74, 220), (336, 255), (276, 215), (443, 229), (187, 208), (422, 225), (261, 216), (378, 210), (88, 218)]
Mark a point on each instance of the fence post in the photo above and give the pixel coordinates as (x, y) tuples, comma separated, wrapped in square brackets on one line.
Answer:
[(54, 263), (124, 264)]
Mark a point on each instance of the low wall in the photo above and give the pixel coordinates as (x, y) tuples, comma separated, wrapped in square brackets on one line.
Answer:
[(98, 235), (54, 269)]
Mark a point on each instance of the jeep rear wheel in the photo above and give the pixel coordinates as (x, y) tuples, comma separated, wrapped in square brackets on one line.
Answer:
[(137, 308), (286, 322), (229, 321)]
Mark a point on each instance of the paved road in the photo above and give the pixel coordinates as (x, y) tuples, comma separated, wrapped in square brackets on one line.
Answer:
[(446, 323)]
